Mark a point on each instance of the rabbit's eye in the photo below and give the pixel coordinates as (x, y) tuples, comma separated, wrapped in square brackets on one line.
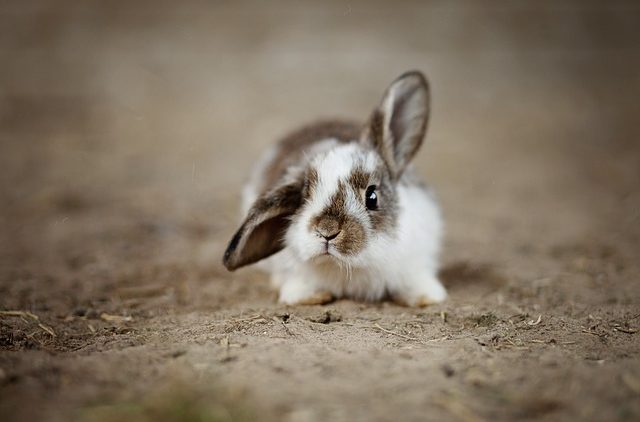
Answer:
[(371, 198)]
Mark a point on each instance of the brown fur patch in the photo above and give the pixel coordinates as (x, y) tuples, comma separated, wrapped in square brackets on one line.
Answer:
[(336, 206), (359, 179), (291, 148), (310, 183), (352, 238), (284, 197)]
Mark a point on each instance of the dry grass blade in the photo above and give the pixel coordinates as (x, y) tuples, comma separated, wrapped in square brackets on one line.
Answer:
[(394, 333), (251, 318), (533, 323), (593, 333), (625, 330), (27, 314), (19, 314), (47, 329), (115, 318)]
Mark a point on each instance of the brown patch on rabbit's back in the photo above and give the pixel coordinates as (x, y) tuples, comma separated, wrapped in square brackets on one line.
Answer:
[(291, 149), (342, 130)]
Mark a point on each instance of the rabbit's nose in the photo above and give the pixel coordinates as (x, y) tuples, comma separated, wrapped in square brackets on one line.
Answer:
[(328, 229), (330, 236)]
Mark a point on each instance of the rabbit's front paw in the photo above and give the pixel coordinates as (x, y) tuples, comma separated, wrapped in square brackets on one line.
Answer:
[(294, 292), (427, 291)]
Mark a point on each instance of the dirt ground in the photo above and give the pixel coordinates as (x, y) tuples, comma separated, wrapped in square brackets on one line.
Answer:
[(126, 132)]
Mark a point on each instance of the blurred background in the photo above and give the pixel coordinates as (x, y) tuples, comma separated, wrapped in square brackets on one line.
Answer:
[(166, 106), (128, 128), (163, 108)]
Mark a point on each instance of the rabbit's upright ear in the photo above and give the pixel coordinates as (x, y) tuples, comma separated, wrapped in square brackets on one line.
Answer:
[(262, 232), (397, 126)]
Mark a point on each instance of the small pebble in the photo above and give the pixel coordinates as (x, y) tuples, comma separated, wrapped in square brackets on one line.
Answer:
[(448, 370)]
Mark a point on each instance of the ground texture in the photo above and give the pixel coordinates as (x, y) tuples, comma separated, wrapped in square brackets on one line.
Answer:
[(127, 131)]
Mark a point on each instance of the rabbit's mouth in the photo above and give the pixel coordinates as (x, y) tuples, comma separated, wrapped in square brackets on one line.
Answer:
[(328, 247), (328, 252)]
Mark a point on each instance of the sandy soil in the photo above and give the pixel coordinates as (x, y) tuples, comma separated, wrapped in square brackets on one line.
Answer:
[(126, 133)]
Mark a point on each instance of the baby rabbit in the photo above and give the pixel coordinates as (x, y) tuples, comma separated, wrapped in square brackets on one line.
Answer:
[(339, 211)]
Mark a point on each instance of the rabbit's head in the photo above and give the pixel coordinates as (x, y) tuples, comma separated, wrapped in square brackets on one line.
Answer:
[(341, 203)]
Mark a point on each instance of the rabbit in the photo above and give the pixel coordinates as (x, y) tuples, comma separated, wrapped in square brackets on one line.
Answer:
[(339, 213)]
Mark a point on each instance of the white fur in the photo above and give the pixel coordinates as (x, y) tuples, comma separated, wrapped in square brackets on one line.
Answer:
[(402, 263)]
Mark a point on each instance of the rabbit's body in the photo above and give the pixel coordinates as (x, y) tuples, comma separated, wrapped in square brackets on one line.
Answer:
[(408, 259), (343, 210)]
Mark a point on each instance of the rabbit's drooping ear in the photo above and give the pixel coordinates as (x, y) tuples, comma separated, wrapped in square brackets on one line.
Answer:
[(397, 127), (262, 233)]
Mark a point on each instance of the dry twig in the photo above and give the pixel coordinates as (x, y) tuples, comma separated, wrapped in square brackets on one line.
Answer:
[(533, 323), (19, 314), (625, 330), (47, 329), (24, 314), (115, 318), (394, 333)]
